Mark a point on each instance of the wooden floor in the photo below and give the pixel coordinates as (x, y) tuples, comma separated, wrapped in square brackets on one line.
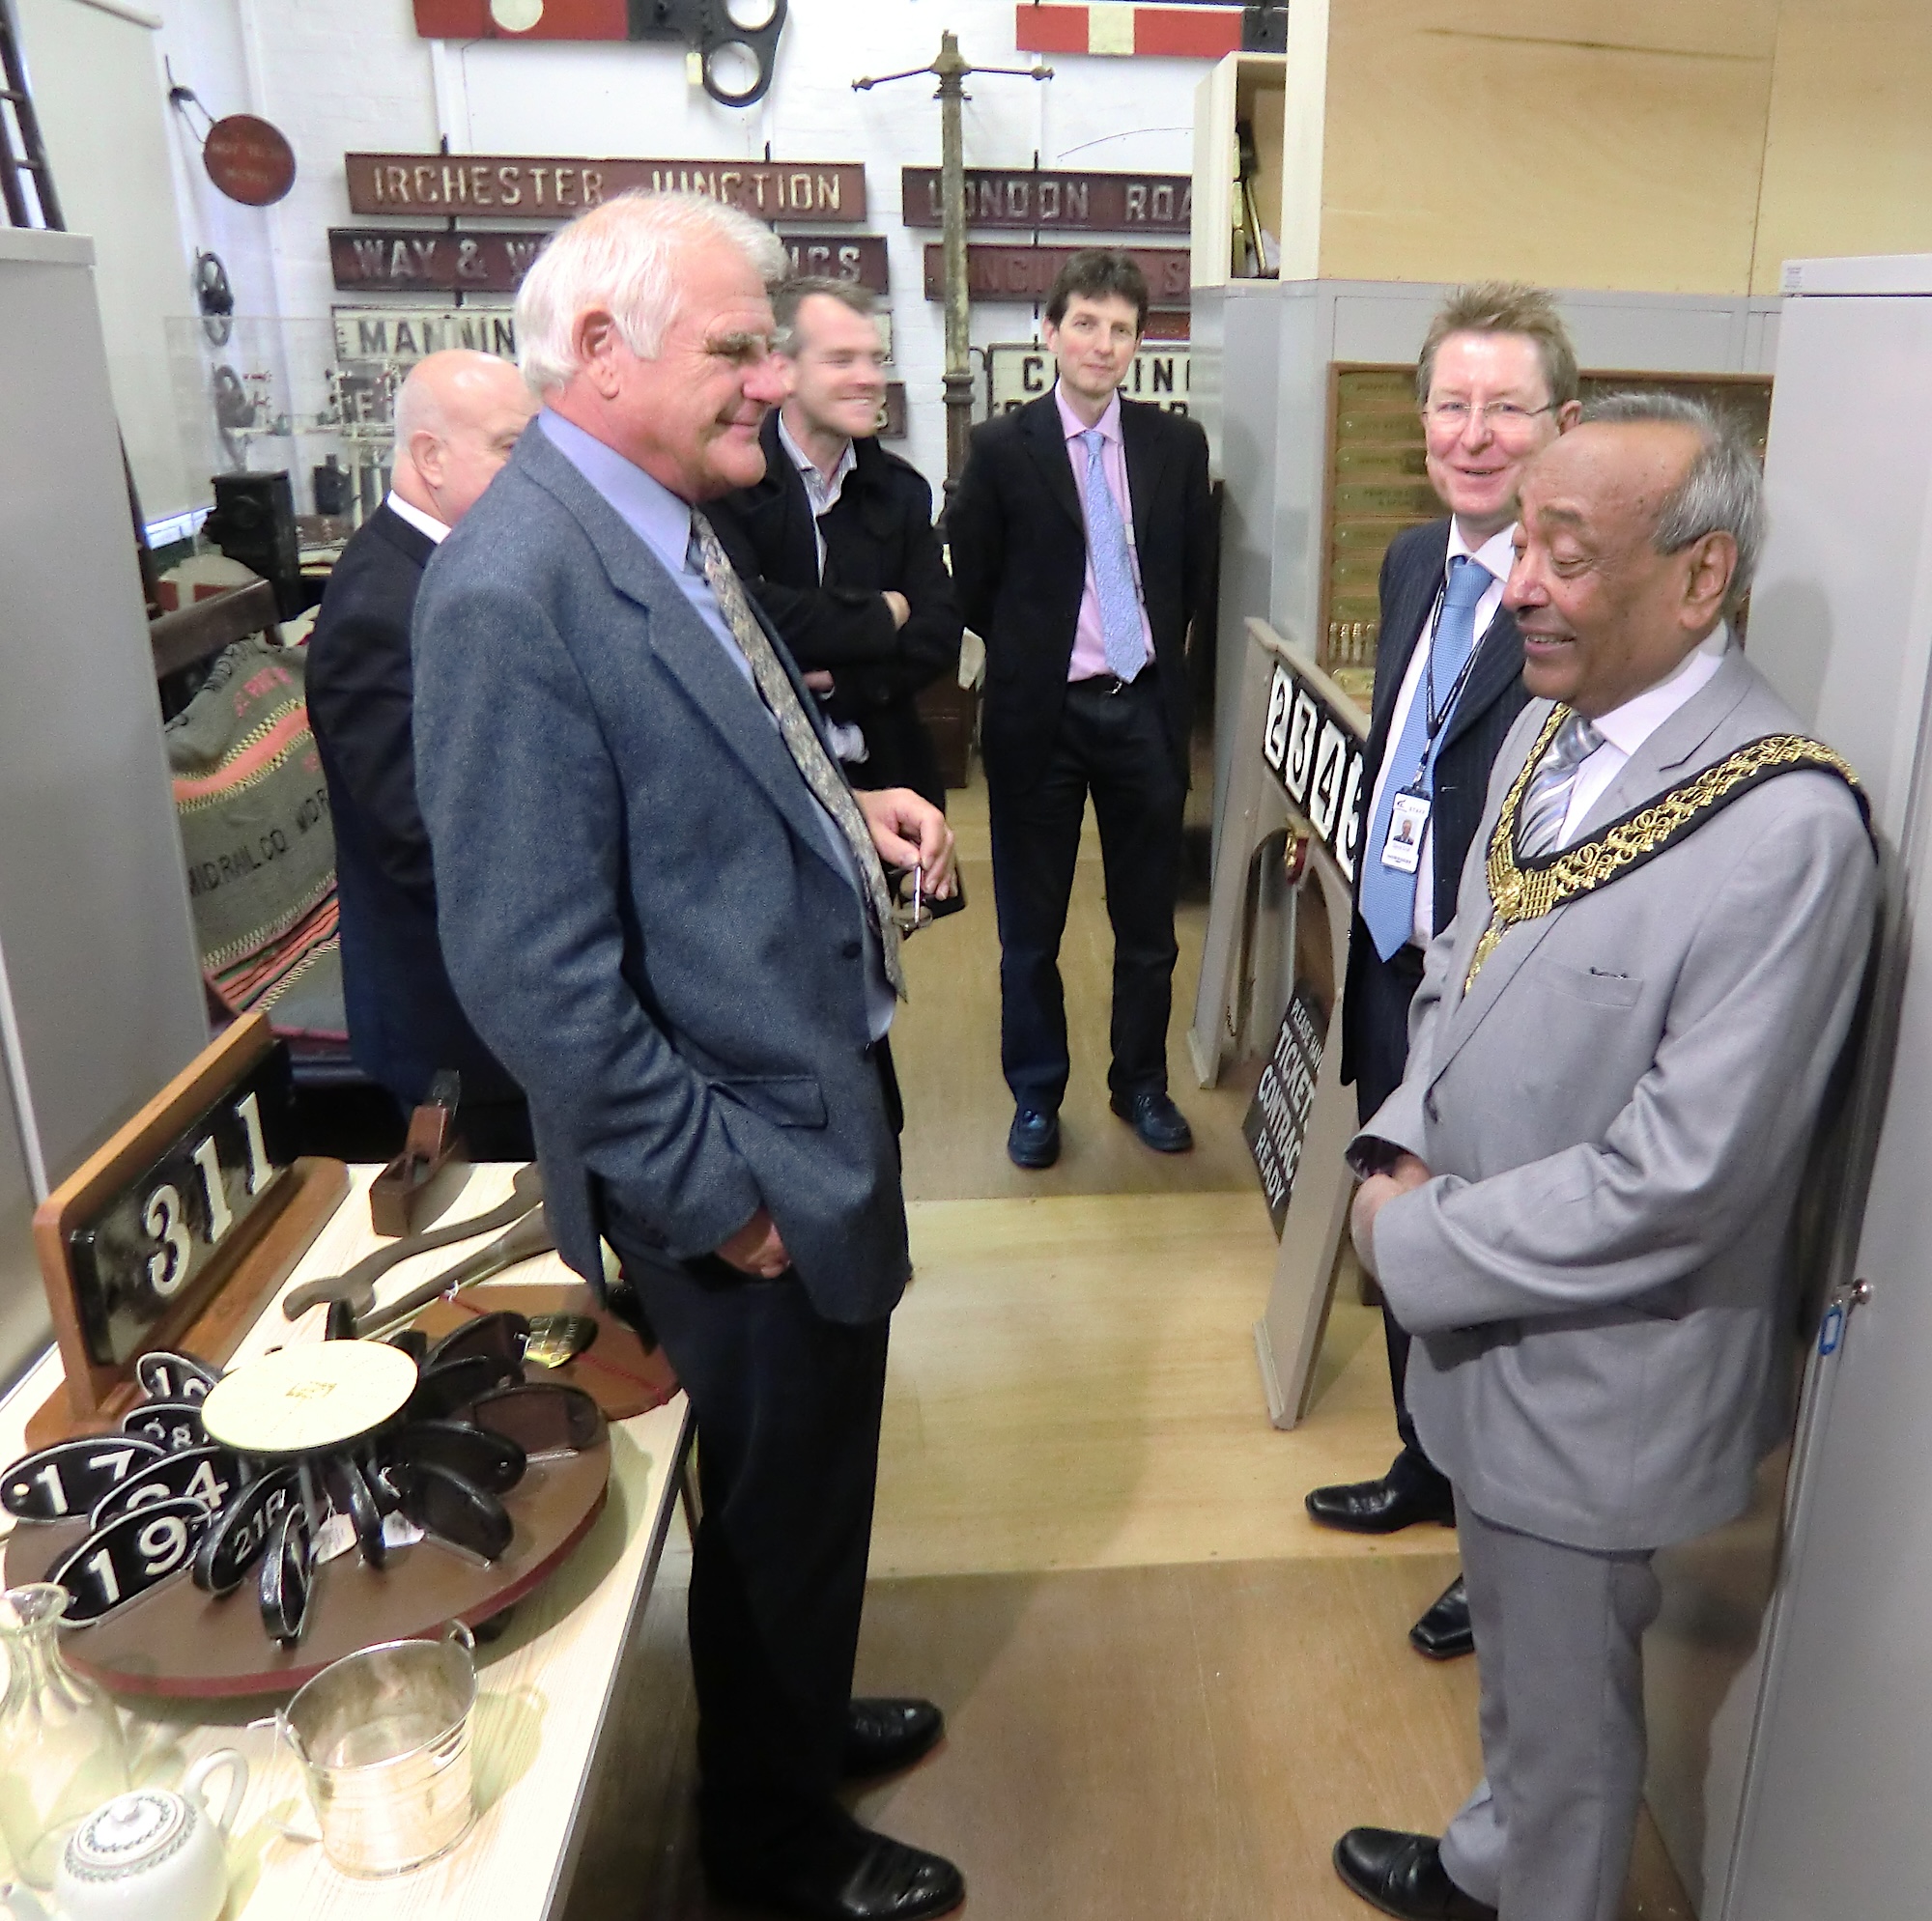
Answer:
[(1167, 1692)]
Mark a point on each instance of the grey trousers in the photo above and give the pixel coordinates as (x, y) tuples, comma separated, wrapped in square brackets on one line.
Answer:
[(1559, 1645)]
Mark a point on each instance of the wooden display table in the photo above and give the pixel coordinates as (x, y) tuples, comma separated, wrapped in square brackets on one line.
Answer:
[(543, 1687)]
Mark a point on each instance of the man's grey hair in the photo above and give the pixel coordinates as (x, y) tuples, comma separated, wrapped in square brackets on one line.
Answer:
[(794, 293), (624, 258), (1724, 491)]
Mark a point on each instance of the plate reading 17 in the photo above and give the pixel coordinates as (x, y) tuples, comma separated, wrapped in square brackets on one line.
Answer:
[(141, 1255)]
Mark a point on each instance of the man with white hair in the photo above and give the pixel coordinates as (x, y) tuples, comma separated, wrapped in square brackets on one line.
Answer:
[(665, 909), (457, 417), (1579, 1198)]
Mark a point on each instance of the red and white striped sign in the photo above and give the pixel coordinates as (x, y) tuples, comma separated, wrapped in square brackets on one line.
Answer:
[(1194, 32)]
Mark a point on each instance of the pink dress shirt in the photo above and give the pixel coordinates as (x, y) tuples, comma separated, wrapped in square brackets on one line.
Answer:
[(1090, 646)]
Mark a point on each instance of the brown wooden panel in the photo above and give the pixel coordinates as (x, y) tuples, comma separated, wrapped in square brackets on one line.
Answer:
[(1075, 203), (860, 258), (1027, 274), (521, 186)]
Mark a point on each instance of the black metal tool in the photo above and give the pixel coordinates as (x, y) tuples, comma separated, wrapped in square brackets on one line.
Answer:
[(528, 1238), (357, 1284)]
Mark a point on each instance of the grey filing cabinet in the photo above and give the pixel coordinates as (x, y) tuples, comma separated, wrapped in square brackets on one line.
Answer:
[(101, 1000), (1838, 1778)]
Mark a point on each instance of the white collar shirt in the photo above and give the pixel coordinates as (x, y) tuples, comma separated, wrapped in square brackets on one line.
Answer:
[(822, 492), (426, 525), (1626, 729), (1495, 556)]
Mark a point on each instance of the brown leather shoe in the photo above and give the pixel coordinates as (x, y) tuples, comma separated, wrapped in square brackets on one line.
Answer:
[(1404, 1875)]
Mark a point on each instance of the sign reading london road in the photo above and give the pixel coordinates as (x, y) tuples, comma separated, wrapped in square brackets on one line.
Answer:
[(1081, 203), (516, 186)]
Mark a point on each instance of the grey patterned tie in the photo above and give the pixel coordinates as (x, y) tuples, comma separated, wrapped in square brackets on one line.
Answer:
[(801, 738), (1540, 825)]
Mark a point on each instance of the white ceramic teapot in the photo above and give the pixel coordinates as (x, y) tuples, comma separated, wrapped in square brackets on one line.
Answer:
[(149, 1856)]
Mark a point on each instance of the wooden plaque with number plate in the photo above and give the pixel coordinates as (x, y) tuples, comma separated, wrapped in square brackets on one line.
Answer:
[(179, 1230)]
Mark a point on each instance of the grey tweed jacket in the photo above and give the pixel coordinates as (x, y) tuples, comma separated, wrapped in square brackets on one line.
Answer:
[(637, 903), (1616, 1117)]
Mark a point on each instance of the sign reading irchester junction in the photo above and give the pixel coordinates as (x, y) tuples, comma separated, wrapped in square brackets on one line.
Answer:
[(516, 186)]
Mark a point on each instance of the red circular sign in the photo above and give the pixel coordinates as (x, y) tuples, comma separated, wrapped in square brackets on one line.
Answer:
[(248, 159)]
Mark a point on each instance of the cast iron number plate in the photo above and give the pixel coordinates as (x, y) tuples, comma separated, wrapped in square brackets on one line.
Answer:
[(141, 1253), (714, 28)]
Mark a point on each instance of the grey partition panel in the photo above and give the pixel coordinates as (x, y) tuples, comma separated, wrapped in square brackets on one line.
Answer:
[(103, 1001), (1833, 1817)]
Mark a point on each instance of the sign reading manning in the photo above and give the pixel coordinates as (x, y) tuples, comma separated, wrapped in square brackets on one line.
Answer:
[(1317, 756), (1016, 374)]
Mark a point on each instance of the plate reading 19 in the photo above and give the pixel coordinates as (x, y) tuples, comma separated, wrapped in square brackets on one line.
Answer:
[(139, 1255)]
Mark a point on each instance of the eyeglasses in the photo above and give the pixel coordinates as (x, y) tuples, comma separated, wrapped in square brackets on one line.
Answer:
[(1502, 417)]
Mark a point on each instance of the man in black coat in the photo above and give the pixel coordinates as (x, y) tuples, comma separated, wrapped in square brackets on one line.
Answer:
[(1497, 382), (838, 546), (458, 415), (1082, 538)]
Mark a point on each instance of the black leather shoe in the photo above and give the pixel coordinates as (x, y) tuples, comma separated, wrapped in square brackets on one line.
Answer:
[(1443, 1633), (1033, 1141), (882, 1737), (1380, 1506), (1156, 1120), (1404, 1875), (876, 1879)]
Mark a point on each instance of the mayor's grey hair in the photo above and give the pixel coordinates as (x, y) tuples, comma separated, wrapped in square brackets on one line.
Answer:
[(624, 258), (1722, 493)]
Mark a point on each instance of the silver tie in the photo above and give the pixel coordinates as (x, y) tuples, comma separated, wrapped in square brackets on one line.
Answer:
[(1540, 825), (801, 738)]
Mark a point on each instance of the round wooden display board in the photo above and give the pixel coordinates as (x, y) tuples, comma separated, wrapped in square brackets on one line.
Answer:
[(176, 1641), (308, 1398)]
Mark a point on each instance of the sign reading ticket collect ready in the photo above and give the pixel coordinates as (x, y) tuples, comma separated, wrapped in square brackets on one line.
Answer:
[(1276, 1126)]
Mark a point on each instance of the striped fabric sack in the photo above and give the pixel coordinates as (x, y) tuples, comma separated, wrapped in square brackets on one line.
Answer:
[(255, 830)]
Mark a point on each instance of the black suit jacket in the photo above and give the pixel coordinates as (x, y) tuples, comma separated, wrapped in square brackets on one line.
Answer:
[(878, 535), (1490, 702), (403, 1018), (1019, 555)]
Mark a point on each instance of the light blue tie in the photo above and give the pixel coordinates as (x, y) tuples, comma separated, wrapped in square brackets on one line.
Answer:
[(1113, 567), (1388, 894)]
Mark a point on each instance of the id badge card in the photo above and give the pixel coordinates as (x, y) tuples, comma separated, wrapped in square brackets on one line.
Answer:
[(1408, 818)]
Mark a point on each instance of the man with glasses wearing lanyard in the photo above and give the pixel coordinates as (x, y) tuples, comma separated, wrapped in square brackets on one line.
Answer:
[(1498, 383)]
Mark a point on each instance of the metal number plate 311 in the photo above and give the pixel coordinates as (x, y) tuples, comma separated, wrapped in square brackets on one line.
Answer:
[(121, 1561)]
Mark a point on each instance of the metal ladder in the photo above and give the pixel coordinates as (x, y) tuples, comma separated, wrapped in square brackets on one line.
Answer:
[(22, 151)]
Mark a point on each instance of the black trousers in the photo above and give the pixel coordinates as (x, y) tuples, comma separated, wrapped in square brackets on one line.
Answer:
[(1114, 747), (1379, 1030), (787, 1410)]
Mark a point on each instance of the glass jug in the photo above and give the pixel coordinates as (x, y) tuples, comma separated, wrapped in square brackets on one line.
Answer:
[(60, 1751)]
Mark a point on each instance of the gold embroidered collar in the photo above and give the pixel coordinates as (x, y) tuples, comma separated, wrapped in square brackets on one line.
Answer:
[(1522, 889)]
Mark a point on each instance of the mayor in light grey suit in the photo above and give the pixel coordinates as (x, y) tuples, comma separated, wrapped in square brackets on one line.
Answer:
[(663, 908), (1579, 1198)]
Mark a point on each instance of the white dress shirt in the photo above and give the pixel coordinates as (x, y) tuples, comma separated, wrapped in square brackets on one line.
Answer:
[(1495, 556), (848, 738), (1626, 729), (424, 524)]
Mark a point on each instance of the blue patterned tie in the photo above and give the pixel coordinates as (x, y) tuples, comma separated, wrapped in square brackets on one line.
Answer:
[(1388, 894), (1113, 567)]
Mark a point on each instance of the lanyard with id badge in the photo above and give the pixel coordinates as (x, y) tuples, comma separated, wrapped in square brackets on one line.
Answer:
[(1408, 807)]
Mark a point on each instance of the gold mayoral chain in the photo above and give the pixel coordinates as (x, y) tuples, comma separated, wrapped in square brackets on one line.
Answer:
[(1528, 889)]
